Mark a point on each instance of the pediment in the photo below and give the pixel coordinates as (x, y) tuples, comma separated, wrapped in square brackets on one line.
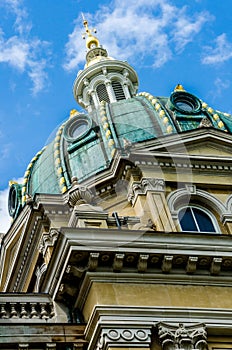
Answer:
[(207, 142)]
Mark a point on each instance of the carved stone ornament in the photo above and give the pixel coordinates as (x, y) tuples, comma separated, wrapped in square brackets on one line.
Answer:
[(48, 239), (143, 186), (205, 123), (124, 337), (79, 194), (182, 337)]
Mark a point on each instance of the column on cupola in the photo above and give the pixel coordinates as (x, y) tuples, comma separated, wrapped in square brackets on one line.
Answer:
[(110, 90), (93, 95), (126, 83)]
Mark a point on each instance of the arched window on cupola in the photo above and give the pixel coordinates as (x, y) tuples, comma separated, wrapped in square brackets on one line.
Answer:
[(102, 93), (118, 90), (197, 219)]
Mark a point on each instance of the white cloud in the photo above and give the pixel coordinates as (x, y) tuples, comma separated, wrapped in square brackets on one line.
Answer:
[(133, 30), (20, 50), (14, 51), (221, 52), (185, 28), (221, 85)]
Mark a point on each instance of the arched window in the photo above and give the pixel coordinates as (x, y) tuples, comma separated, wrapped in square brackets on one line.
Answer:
[(195, 219), (118, 90), (102, 93)]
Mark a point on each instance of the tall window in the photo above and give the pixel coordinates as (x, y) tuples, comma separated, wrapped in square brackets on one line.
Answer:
[(118, 90), (102, 93), (195, 219)]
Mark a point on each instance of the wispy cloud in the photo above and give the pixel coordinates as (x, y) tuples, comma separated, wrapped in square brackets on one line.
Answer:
[(185, 28), (133, 30), (21, 51), (221, 85), (220, 52)]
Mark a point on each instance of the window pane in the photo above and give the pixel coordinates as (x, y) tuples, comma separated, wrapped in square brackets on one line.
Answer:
[(102, 93), (203, 220), (118, 90), (186, 220)]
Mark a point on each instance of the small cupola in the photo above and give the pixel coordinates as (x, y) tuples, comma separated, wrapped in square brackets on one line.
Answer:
[(103, 78)]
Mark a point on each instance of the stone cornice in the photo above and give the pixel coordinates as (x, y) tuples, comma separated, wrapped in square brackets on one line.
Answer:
[(132, 252), (216, 320), (152, 278)]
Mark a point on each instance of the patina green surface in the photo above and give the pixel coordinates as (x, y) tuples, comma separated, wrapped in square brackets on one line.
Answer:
[(133, 120)]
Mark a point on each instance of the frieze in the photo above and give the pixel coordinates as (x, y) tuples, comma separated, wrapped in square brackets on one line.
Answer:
[(120, 337)]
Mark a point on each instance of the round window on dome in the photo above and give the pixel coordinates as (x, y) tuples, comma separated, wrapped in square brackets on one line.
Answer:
[(185, 102), (14, 199), (77, 128)]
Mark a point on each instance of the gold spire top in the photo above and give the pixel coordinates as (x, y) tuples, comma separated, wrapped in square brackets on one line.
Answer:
[(91, 41), (179, 87)]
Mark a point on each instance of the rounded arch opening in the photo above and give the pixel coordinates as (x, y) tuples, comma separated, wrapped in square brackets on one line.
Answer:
[(194, 218)]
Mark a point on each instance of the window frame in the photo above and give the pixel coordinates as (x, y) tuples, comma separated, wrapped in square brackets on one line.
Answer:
[(204, 210)]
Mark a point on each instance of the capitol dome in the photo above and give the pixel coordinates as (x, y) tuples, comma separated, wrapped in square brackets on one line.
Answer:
[(117, 118)]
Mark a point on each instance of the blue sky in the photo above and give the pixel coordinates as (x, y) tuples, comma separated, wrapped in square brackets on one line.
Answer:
[(41, 50)]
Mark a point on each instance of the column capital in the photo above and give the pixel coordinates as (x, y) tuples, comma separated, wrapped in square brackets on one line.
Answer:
[(182, 337)]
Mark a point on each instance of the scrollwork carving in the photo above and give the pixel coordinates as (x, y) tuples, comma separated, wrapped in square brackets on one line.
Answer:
[(143, 186), (182, 337)]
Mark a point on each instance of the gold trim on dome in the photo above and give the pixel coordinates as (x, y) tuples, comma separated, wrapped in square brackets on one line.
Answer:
[(28, 173), (57, 159), (154, 102)]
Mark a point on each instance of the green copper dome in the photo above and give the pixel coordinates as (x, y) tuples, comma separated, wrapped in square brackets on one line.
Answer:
[(86, 143)]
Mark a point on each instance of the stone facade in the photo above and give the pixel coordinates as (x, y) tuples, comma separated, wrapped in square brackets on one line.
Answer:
[(137, 253)]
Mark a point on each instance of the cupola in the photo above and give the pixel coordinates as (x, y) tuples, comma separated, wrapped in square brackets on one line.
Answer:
[(103, 78)]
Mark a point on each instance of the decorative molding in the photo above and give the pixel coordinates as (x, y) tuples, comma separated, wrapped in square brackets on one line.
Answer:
[(124, 337), (23, 346), (118, 262), (192, 264), (174, 197), (48, 239), (34, 231), (216, 266), (93, 261), (28, 310), (143, 186), (78, 194), (205, 123), (182, 337), (51, 346), (167, 263), (142, 263)]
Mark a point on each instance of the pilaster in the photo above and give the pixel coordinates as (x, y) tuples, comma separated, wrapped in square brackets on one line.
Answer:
[(148, 199)]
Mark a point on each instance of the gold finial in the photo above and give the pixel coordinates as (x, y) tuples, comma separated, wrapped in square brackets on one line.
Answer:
[(73, 113), (179, 87), (91, 41), (12, 182)]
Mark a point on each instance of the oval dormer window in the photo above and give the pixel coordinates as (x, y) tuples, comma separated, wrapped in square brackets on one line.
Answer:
[(77, 128), (185, 103)]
